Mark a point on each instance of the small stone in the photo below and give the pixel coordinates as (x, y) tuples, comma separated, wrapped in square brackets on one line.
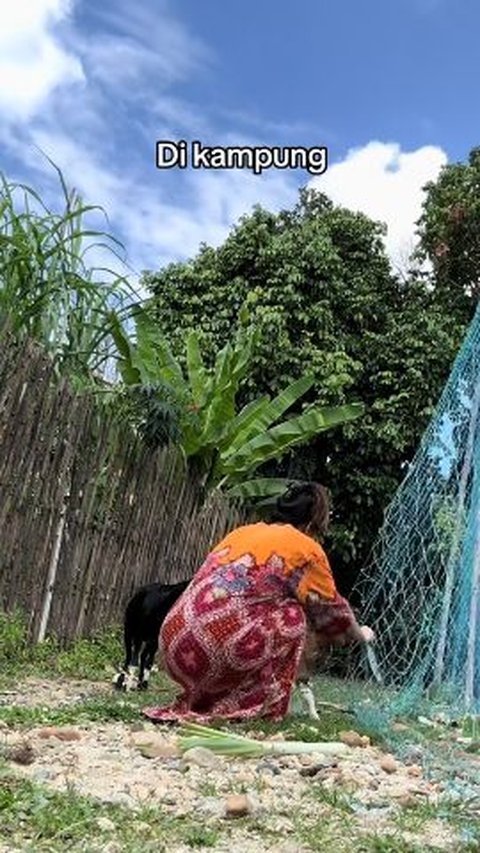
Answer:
[(237, 805), (202, 757), (320, 765), (43, 774), (59, 733), (307, 760), (442, 718), (112, 847), (182, 811), (414, 770), (245, 777), (140, 737), (212, 807), (381, 803), (283, 825), (399, 727), (268, 767), (105, 824), (288, 761), (354, 739), (279, 736), (388, 764), (414, 754), (23, 754), (310, 772), (407, 801), (156, 750), (141, 827), (425, 721)]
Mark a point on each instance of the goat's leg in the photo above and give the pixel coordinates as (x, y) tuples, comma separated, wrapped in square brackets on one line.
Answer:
[(146, 663), (120, 679), (303, 681), (131, 679), (305, 688)]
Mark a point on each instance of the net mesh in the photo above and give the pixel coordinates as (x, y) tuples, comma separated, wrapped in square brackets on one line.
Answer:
[(421, 589)]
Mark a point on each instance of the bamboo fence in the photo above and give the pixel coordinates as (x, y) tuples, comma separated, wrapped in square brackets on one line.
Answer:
[(87, 513)]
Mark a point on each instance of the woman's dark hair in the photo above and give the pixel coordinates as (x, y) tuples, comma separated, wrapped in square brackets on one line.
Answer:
[(304, 505)]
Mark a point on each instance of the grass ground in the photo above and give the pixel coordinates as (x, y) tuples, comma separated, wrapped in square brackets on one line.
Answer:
[(37, 689)]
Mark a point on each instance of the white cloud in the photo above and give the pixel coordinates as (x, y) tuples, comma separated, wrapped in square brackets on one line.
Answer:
[(385, 183), (131, 58), (158, 230), (141, 50), (164, 232), (33, 62)]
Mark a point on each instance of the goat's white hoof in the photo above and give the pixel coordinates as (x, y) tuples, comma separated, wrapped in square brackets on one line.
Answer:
[(118, 680), (309, 700)]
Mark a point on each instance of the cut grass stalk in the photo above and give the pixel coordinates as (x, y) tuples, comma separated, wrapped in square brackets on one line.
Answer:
[(228, 743)]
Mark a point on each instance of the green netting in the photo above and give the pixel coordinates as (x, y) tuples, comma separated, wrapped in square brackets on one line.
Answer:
[(421, 589)]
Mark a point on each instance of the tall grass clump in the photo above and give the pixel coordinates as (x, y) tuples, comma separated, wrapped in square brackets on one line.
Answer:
[(47, 289), (93, 658)]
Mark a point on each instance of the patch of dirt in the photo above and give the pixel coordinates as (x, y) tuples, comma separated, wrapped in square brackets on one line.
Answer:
[(139, 764), (34, 692)]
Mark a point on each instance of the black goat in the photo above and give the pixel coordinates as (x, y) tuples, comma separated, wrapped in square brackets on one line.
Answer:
[(144, 616)]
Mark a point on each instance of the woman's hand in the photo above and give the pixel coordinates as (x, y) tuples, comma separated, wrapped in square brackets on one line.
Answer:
[(360, 634), (367, 634)]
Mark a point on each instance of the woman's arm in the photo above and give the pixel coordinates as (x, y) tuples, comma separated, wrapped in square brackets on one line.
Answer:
[(360, 633), (334, 622), (328, 612)]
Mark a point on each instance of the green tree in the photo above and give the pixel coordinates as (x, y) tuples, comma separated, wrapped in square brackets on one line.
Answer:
[(449, 233), (318, 284)]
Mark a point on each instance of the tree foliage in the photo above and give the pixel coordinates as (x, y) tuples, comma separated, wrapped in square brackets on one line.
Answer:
[(197, 408), (318, 284), (449, 231)]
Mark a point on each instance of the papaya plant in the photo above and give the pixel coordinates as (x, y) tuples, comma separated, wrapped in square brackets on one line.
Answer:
[(225, 445)]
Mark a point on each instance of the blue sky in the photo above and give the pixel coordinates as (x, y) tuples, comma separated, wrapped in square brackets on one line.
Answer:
[(391, 88)]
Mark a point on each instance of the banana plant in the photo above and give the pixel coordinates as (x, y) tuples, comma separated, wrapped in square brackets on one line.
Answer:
[(228, 446)]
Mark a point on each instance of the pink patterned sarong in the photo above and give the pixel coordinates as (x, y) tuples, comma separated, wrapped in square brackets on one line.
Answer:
[(234, 640)]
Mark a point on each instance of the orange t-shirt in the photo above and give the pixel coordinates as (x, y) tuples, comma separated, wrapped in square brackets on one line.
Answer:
[(287, 549)]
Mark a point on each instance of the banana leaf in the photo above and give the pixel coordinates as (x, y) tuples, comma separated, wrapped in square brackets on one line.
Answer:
[(198, 377), (278, 439), (241, 422), (129, 372), (154, 353), (231, 365), (267, 414)]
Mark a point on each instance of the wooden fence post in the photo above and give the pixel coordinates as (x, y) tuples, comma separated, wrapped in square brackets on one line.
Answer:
[(52, 570)]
